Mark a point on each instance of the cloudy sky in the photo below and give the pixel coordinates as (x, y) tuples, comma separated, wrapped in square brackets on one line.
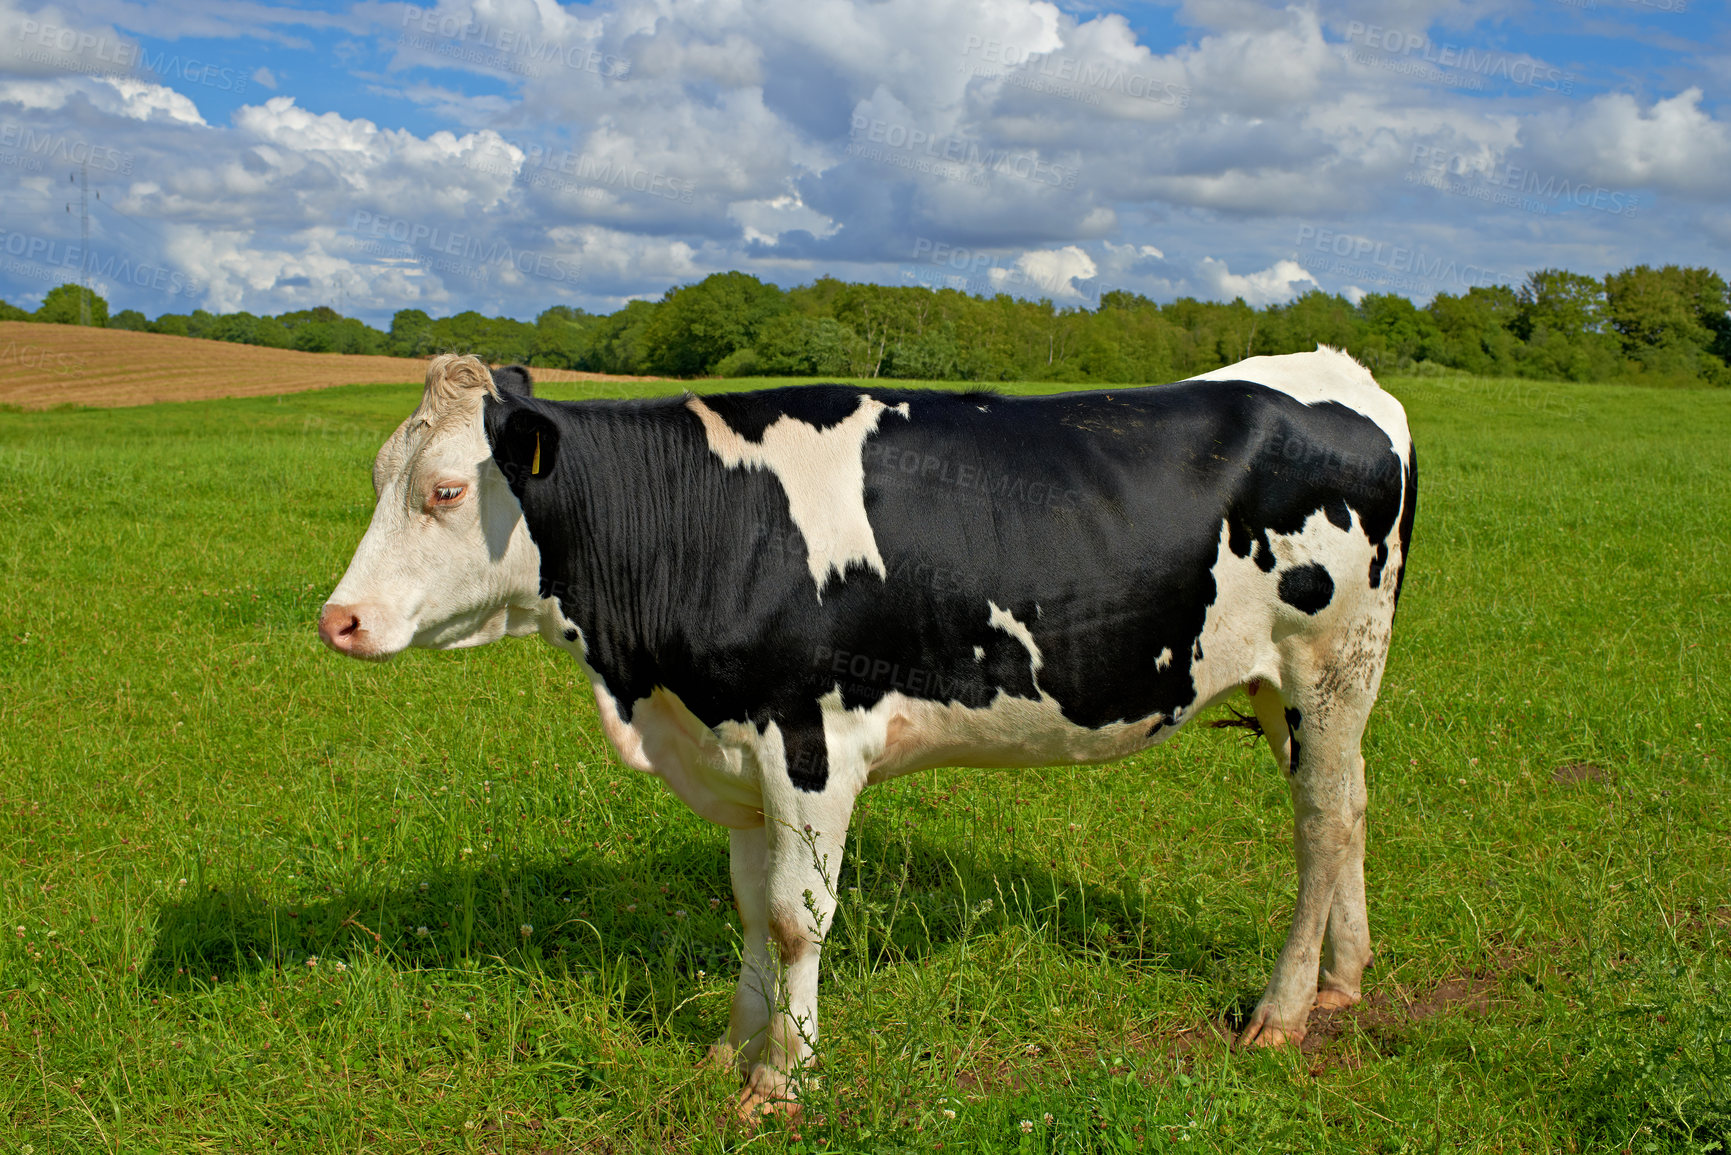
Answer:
[(508, 155)]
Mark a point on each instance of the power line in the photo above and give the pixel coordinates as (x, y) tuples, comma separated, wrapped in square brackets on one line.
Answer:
[(82, 180)]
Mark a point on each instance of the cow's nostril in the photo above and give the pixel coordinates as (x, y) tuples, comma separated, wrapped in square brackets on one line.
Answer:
[(340, 628)]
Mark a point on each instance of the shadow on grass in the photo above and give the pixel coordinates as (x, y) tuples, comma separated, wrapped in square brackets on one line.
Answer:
[(659, 917)]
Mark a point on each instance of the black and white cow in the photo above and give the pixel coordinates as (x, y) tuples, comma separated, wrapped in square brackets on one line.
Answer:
[(784, 596)]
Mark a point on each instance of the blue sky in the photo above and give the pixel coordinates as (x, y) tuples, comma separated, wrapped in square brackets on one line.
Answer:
[(508, 155)]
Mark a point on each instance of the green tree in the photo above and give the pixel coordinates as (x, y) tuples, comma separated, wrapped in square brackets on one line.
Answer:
[(201, 323), (619, 343), (64, 305), (932, 354), (322, 329), (129, 319), (411, 334), (1394, 332), (1672, 321), (697, 325), (563, 336), (1560, 319), (248, 329), (241, 328), (1315, 318), (1473, 330), (796, 345), (496, 339)]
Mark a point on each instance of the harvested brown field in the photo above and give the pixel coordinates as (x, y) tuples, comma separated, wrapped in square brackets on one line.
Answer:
[(46, 365)]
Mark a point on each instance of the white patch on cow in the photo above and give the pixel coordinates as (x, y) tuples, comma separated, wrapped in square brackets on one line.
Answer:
[(823, 474), (707, 769), (1004, 620), (919, 733), (1250, 633), (979, 653), (1164, 660), (1325, 375)]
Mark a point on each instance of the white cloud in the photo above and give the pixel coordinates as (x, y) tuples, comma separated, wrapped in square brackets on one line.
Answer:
[(1672, 145), (1047, 272), (141, 100), (1277, 284), (766, 220)]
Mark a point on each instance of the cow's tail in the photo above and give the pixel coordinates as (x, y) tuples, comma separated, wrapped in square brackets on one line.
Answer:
[(1408, 513)]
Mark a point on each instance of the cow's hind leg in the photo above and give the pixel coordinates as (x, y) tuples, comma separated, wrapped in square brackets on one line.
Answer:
[(1325, 773), (1346, 940)]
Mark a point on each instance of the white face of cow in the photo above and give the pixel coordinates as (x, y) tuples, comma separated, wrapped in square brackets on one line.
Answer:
[(447, 560)]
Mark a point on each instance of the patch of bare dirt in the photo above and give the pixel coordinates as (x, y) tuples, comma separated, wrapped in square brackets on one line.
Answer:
[(1577, 772), (46, 365)]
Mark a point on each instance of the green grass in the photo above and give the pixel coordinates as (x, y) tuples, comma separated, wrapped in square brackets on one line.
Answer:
[(218, 843)]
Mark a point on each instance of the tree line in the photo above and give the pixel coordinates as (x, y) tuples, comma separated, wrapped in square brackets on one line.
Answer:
[(1665, 326)]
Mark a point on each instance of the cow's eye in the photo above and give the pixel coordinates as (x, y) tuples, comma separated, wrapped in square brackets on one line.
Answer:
[(447, 494)]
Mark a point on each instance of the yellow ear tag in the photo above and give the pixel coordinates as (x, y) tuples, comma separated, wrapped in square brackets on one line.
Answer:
[(535, 465)]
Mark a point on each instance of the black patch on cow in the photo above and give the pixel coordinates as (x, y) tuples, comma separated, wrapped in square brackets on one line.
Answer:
[(571, 634), (1238, 538), (513, 379), (1337, 513), (1246, 542), (1378, 560), (749, 414), (807, 758), (1408, 514), (1093, 518), (1293, 718), (1307, 587), (1265, 559)]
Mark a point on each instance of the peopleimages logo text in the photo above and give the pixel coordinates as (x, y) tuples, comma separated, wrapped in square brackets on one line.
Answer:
[(51, 253), (513, 42), (433, 239), (1368, 254), (912, 140), (60, 147), (102, 56)]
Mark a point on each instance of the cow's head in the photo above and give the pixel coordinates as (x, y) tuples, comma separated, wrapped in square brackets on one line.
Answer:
[(447, 560)]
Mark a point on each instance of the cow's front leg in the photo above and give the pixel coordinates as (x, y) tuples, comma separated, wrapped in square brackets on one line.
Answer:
[(754, 999), (804, 832)]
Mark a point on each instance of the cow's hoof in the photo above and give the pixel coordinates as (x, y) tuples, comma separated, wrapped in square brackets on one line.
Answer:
[(1259, 1032), (1334, 1000), (753, 1106), (767, 1091), (721, 1056)]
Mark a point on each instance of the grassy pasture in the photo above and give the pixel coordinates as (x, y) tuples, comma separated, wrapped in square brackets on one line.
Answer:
[(260, 898)]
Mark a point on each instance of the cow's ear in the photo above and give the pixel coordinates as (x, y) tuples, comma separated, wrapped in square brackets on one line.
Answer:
[(514, 379), (525, 444)]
